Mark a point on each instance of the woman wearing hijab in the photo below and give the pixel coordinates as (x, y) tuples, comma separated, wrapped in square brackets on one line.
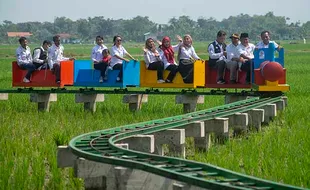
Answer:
[(187, 56), (168, 57), (153, 59)]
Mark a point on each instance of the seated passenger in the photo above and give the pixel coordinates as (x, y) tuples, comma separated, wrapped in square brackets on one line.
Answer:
[(24, 59), (40, 59), (233, 57), (97, 57), (55, 56), (106, 59), (217, 56), (187, 56), (265, 36), (153, 59), (168, 56), (246, 51), (118, 52)]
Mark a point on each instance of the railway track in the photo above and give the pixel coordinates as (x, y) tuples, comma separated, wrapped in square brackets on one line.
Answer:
[(101, 146)]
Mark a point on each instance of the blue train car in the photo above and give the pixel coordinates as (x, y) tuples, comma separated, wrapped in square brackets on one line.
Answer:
[(85, 75)]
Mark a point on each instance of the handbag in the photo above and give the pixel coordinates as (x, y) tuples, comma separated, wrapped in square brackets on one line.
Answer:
[(186, 61)]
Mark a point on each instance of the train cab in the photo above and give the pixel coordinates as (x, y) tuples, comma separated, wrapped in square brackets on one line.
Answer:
[(86, 76), (43, 78), (269, 71)]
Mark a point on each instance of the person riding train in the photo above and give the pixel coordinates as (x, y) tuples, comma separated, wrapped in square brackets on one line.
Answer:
[(55, 56), (97, 56), (217, 56), (233, 57), (153, 59), (118, 52), (246, 51), (24, 58), (187, 57), (168, 56), (40, 55)]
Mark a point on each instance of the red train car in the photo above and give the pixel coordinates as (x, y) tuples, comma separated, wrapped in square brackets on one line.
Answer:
[(211, 75), (43, 78)]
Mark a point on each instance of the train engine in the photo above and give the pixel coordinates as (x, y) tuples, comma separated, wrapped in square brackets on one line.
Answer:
[(269, 71)]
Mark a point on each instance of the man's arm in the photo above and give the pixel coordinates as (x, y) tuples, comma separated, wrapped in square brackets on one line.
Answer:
[(93, 55)]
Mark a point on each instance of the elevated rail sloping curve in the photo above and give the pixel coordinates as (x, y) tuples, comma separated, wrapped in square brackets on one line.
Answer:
[(100, 146)]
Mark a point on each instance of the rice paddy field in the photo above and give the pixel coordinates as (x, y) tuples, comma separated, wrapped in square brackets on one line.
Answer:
[(29, 139)]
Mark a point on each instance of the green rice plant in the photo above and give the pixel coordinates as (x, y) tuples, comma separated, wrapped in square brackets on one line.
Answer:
[(29, 139)]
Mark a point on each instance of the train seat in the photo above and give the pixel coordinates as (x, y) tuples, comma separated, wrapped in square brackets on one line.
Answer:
[(211, 76), (85, 75), (149, 77)]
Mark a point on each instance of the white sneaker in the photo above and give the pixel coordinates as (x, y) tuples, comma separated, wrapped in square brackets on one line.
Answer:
[(100, 80), (118, 79), (25, 80), (220, 82), (160, 81)]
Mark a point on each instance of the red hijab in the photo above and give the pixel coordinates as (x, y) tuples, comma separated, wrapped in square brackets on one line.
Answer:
[(168, 51)]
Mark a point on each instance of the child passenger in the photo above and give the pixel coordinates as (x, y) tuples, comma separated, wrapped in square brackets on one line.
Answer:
[(106, 59)]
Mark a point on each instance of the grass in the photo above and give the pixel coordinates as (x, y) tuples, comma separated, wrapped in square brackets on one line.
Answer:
[(29, 139)]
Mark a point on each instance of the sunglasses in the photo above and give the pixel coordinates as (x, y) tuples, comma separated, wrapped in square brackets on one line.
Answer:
[(118, 40)]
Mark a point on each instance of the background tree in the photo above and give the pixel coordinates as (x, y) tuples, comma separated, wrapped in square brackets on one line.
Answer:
[(203, 29)]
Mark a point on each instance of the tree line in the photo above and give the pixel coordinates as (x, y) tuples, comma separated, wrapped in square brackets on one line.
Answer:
[(202, 29)]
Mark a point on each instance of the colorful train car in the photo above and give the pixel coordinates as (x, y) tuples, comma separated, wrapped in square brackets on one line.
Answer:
[(43, 78), (86, 76), (148, 78), (211, 75), (269, 72)]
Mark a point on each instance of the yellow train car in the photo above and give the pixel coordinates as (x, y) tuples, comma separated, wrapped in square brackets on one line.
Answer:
[(148, 78)]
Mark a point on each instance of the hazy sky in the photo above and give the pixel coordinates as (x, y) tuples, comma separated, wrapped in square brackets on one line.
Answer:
[(159, 11)]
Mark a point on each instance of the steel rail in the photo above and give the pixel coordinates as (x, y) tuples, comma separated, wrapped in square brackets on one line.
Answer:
[(146, 91), (100, 146)]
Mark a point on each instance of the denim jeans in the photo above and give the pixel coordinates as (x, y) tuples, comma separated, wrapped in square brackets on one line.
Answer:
[(30, 67)]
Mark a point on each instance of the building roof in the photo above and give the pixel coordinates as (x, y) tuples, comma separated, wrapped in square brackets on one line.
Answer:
[(18, 34), (64, 35)]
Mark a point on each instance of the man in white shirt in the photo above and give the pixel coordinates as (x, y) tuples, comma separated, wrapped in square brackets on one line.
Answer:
[(233, 57), (265, 36), (40, 55), (55, 56), (246, 51), (24, 59), (217, 56)]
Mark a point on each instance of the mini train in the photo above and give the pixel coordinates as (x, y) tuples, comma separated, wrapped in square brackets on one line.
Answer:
[(268, 75)]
